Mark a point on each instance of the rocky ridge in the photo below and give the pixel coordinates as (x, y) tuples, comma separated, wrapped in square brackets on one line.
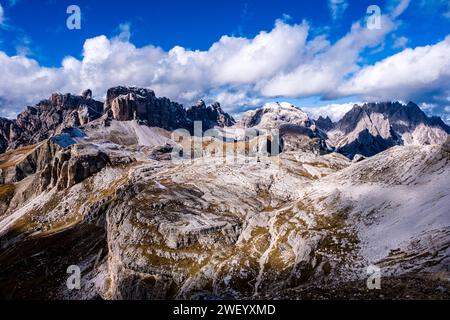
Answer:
[(109, 197), (50, 117), (375, 127)]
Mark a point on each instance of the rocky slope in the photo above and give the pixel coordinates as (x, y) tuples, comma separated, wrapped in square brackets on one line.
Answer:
[(267, 226), (143, 220), (291, 125), (375, 127), (47, 118), (50, 117)]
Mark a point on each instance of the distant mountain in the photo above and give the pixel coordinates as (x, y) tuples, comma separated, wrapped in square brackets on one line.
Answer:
[(107, 198), (366, 130), (325, 124), (273, 115), (131, 103), (296, 129), (47, 118), (210, 116), (51, 116), (375, 127)]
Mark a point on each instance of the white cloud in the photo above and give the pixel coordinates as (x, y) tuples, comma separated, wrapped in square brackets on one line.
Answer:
[(337, 8), (239, 72), (400, 43), (409, 75), (324, 66), (334, 111), (398, 7), (238, 99)]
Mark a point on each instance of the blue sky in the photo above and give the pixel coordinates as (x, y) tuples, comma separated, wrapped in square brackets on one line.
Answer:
[(281, 44)]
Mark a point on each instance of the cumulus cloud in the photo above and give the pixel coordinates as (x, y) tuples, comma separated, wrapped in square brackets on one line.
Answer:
[(335, 111), (239, 72), (180, 73), (413, 74), (324, 66)]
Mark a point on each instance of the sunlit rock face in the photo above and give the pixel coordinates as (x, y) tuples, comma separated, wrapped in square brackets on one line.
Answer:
[(49, 117), (375, 127), (233, 220)]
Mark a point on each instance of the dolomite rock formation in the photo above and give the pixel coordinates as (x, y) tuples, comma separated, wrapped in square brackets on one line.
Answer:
[(60, 112), (49, 117), (210, 116), (306, 223), (127, 104), (375, 127)]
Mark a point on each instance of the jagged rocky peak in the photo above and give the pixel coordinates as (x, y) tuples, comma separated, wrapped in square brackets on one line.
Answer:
[(60, 111), (375, 127), (87, 94), (401, 116), (132, 103), (296, 130), (210, 116), (223, 118), (324, 123), (273, 115), (116, 92), (47, 118)]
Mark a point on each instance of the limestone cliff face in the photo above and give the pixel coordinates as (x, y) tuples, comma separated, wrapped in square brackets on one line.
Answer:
[(18, 164), (52, 116), (6, 127), (210, 116), (72, 166), (47, 118), (374, 127), (129, 103), (305, 223)]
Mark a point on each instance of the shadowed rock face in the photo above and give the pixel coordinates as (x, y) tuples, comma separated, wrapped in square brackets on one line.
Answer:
[(374, 127), (19, 164), (210, 116), (5, 133), (71, 166), (446, 145), (324, 123), (402, 117), (47, 118), (50, 117), (126, 104)]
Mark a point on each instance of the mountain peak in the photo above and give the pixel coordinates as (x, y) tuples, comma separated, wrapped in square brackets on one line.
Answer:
[(210, 116), (60, 111), (324, 124), (274, 114), (374, 127)]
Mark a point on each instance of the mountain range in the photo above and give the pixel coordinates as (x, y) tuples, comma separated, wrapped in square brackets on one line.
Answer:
[(147, 212)]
